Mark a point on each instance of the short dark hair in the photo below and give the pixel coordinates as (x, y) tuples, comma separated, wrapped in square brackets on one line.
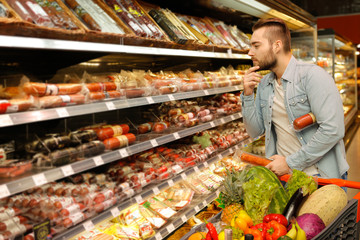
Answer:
[(276, 29)]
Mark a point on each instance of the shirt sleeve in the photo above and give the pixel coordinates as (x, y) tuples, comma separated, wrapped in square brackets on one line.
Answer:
[(252, 116), (326, 104)]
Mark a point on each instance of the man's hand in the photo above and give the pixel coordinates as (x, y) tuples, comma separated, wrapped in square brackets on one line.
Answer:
[(251, 79), (278, 165)]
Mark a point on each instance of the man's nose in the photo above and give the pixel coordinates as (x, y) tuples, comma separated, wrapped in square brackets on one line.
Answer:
[(250, 53)]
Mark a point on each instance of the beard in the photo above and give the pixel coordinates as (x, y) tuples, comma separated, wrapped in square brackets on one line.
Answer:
[(268, 63)]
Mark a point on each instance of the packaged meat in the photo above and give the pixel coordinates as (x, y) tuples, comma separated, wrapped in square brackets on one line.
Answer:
[(91, 149), (155, 220), (4, 12), (101, 206), (52, 142), (196, 185), (159, 207), (304, 121), (46, 89), (73, 219), (83, 14), (63, 156), (72, 209), (82, 136), (133, 93), (105, 95), (61, 100), (178, 198), (101, 86), (123, 231), (159, 127), (119, 141), (145, 127), (9, 212), (112, 131), (102, 18), (14, 168), (21, 10), (16, 105)]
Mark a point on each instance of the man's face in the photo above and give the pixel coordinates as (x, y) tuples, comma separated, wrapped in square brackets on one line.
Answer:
[(261, 51)]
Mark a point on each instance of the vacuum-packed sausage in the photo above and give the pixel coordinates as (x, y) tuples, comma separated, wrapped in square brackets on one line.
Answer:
[(304, 121), (101, 86), (16, 105), (112, 131), (61, 100), (119, 141), (145, 127), (45, 89), (104, 95), (133, 93), (81, 12)]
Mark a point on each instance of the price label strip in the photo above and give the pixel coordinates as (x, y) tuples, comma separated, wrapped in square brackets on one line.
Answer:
[(156, 190), (232, 117), (123, 153), (183, 176), (4, 191), (222, 120), (176, 135), (39, 179), (154, 143), (171, 183), (5, 120), (220, 156), (231, 150), (98, 160), (206, 92), (62, 112), (197, 209), (110, 105), (212, 124), (171, 97), (170, 228), (158, 236), (115, 212), (184, 218), (206, 165), (204, 203), (67, 170), (139, 199), (150, 100), (197, 170), (88, 225)]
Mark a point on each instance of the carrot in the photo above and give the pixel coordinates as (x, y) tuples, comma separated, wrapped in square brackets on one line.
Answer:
[(254, 159)]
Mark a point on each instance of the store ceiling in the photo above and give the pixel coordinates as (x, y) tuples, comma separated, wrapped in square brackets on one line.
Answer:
[(320, 8)]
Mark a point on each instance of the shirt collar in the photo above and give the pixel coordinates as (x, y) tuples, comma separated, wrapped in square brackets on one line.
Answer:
[(288, 74)]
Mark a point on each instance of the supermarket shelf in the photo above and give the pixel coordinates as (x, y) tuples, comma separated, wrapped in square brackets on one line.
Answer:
[(71, 111), (115, 211), (42, 178), (66, 45)]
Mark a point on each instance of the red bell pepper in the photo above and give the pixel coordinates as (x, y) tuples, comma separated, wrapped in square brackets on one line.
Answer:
[(275, 230), (212, 231), (208, 236), (262, 227), (255, 232), (277, 217)]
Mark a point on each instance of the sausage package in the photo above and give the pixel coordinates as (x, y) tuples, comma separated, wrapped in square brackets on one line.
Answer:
[(159, 207), (304, 122), (13, 168)]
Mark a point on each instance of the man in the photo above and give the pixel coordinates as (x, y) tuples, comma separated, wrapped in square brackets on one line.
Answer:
[(291, 90)]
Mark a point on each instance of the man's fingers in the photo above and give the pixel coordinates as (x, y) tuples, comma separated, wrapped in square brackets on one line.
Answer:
[(252, 69)]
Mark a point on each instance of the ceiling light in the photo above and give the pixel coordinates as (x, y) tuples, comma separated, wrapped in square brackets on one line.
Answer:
[(358, 46)]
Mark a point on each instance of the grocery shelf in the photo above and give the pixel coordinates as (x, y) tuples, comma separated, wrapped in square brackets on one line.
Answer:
[(67, 45), (151, 190), (28, 182), (13, 119)]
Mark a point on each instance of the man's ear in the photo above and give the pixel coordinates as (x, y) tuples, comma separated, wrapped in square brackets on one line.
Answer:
[(277, 46)]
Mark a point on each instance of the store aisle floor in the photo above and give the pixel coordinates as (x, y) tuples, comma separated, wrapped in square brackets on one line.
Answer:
[(353, 158)]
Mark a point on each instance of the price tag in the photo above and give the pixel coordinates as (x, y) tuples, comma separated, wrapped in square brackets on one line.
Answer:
[(217, 192), (110, 105), (183, 176), (204, 203), (123, 153), (197, 170), (62, 112), (170, 228), (236, 147), (197, 209), (98, 160), (158, 236), (229, 51), (115, 212), (150, 100), (212, 124), (5, 120), (171, 183), (220, 156), (232, 117), (171, 97), (154, 143), (206, 165), (139, 199), (88, 225), (183, 218), (222, 120), (156, 190), (67, 170), (239, 115), (176, 135), (231, 150), (4, 191), (39, 179), (206, 92)]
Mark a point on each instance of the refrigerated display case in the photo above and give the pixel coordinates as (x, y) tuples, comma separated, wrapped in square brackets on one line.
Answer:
[(338, 57)]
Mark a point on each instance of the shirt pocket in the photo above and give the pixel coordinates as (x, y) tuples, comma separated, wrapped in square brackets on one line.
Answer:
[(299, 105)]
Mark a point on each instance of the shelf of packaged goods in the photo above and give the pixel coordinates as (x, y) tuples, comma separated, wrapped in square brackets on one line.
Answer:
[(153, 190), (13, 119), (28, 182), (66, 45)]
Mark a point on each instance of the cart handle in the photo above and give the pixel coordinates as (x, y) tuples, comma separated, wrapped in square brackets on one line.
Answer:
[(326, 181)]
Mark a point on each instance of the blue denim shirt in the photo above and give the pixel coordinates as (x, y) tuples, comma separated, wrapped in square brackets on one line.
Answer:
[(307, 88)]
